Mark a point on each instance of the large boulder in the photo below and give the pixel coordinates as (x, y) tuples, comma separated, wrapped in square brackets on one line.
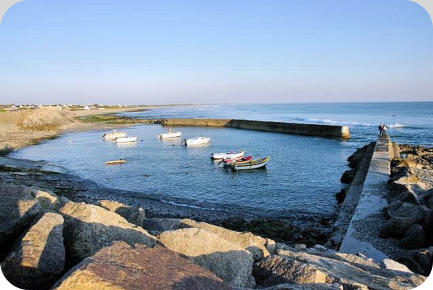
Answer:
[(158, 225), (48, 200), (89, 228), (402, 192), (394, 265), (414, 238), (348, 176), (277, 270), (38, 258), (121, 266), (428, 227), (396, 227), (256, 245), (407, 210), (407, 179), (228, 261), (419, 261), (318, 267), (429, 201), (133, 214), (17, 210), (356, 157)]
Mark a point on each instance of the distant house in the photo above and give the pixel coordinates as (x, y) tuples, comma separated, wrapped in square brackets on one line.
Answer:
[(87, 107), (13, 108)]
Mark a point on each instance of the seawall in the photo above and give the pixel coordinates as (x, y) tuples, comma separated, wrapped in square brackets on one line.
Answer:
[(280, 127), (362, 235)]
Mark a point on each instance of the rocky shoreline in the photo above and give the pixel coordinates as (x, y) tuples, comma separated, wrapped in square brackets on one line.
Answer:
[(49, 241)]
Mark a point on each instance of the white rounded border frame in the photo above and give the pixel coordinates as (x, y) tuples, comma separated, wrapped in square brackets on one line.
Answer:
[(6, 4)]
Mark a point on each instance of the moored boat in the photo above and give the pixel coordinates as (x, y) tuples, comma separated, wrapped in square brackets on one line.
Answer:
[(227, 162), (114, 135), (196, 141), (115, 162), (170, 134), (228, 155), (126, 139), (252, 164)]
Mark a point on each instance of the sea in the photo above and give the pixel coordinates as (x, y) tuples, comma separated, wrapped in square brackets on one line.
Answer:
[(302, 175)]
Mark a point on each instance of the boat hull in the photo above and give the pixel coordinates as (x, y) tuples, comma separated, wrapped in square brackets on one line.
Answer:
[(113, 136), (197, 141), (253, 164), (170, 135), (116, 162), (229, 155), (126, 139)]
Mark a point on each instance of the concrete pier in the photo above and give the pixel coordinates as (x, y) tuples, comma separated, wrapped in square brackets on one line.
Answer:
[(280, 127), (362, 232)]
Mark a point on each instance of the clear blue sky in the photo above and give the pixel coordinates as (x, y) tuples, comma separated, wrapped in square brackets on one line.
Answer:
[(154, 52)]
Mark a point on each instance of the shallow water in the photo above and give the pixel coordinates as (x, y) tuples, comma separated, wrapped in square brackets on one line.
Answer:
[(302, 175)]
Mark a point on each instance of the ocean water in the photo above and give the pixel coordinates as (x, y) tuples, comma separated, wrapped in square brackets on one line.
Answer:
[(408, 122), (302, 175)]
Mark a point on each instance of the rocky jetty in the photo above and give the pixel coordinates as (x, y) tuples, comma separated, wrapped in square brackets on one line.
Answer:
[(348, 197), (410, 208), (52, 242)]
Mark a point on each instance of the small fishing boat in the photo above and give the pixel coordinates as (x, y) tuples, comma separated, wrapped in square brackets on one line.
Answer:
[(115, 162), (227, 162), (126, 139), (228, 155), (196, 141), (170, 134), (114, 135), (252, 164)]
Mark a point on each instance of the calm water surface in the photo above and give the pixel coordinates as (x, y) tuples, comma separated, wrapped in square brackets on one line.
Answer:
[(302, 175)]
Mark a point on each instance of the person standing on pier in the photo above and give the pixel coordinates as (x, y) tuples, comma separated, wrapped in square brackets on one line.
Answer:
[(380, 127)]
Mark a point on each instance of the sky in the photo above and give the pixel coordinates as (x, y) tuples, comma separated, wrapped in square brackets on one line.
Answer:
[(243, 51)]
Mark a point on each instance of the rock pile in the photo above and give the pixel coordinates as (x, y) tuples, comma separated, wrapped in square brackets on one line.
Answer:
[(410, 210), (52, 242)]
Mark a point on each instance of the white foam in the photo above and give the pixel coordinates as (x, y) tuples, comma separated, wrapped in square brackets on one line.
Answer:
[(396, 125)]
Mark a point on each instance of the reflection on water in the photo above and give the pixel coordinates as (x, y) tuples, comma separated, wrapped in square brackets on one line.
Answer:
[(303, 173)]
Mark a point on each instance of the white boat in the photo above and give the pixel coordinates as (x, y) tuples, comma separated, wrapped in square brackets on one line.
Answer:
[(170, 134), (114, 135), (196, 141), (126, 139), (228, 155), (252, 164)]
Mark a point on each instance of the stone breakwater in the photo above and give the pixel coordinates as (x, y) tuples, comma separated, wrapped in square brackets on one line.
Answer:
[(50, 241), (387, 209), (280, 127)]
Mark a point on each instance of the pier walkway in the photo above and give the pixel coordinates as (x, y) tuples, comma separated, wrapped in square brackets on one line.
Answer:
[(362, 234)]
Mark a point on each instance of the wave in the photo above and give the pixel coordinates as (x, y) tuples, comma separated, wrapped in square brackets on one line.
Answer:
[(332, 122), (396, 125)]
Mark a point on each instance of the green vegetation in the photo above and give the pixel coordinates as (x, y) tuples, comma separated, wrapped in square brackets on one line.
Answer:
[(109, 119), (40, 140), (5, 151)]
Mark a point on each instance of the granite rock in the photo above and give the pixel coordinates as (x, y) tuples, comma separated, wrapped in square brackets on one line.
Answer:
[(121, 266), (38, 258), (89, 228)]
